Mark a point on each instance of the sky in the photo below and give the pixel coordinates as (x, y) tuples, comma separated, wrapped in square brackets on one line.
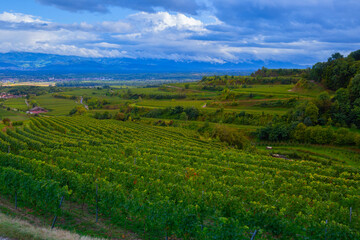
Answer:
[(217, 31)]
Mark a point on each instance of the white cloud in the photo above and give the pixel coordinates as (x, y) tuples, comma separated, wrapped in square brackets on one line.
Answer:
[(20, 18), (161, 21), (165, 35)]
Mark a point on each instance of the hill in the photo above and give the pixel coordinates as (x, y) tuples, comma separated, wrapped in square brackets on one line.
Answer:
[(165, 182)]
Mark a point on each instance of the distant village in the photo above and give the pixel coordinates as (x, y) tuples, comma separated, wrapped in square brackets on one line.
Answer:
[(5, 95)]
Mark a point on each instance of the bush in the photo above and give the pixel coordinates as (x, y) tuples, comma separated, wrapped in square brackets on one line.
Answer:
[(319, 135), (343, 136), (6, 121), (231, 136), (79, 110), (120, 116), (357, 140)]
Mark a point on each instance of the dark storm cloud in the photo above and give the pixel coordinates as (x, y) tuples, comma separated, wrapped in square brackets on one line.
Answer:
[(306, 17), (185, 6)]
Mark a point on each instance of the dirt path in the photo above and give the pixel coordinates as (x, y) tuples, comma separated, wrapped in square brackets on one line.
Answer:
[(26, 102)]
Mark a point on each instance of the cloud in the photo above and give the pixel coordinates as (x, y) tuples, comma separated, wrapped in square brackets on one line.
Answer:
[(185, 6), (19, 18), (228, 31), (160, 21)]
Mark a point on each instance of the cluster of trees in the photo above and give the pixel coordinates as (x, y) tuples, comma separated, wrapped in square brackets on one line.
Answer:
[(313, 121), (306, 122), (178, 112), (104, 115), (279, 103), (96, 103), (65, 96), (216, 82), (309, 134), (218, 116), (337, 72), (80, 84), (341, 110), (130, 95), (232, 136), (265, 72), (78, 110), (29, 90)]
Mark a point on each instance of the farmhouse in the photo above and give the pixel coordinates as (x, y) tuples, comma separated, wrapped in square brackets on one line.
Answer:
[(37, 110)]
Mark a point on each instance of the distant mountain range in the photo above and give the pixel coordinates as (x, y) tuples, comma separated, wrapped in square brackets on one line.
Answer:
[(29, 62)]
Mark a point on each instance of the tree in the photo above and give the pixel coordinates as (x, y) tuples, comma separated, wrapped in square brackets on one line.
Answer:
[(335, 56), (357, 140), (317, 71), (299, 133), (355, 55), (34, 103), (323, 102), (192, 113), (230, 135), (183, 116), (6, 121), (120, 116), (341, 106), (312, 111), (319, 135), (354, 88), (79, 110)]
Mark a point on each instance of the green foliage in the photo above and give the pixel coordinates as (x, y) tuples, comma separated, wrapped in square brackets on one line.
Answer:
[(78, 110), (274, 132), (6, 121), (355, 55), (231, 136), (319, 135), (96, 103), (104, 115), (354, 88), (357, 140), (120, 116), (337, 71), (323, 102), (312, 112), (304, 84), (299, 132)]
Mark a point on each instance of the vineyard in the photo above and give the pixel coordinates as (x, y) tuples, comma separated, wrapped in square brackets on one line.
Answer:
[(170, 184)]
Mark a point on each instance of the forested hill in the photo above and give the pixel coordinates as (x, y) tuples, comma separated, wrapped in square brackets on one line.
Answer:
[(337, 71)]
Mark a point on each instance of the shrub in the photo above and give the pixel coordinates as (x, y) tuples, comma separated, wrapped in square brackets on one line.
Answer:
[(231, 136)]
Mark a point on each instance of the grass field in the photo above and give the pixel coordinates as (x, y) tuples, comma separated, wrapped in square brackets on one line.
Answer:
[(339, 155), (13, 116), (56, 106), (40, 84), (202, 99), (280, 91), (17, 103)]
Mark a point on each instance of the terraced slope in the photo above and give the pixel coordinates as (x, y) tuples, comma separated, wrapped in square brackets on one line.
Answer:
[(166, 182)]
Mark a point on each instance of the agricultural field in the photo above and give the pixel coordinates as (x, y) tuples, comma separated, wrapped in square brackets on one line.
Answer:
[(17, 103), (56, 106), (186, 160), (13, 115), (164, 182), (327, 154)]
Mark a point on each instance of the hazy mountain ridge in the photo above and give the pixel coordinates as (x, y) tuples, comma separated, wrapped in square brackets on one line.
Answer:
[(24, 61)]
